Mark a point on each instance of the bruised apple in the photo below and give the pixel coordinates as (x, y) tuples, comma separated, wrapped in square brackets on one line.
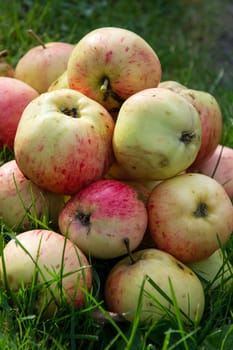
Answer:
[(150, 278), (63, 141), (58, 270), (157, 135), (101, 216), (110, 64), (190, 215)]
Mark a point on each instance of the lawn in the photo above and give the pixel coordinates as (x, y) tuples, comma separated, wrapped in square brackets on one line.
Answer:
[(188, 37)]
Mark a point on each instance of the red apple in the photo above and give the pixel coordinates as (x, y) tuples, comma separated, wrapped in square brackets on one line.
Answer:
[(101, 216), (219, 166), (190, 215), (43, 64), (63, 141), (110, 64), (211, 121), (15, 96)]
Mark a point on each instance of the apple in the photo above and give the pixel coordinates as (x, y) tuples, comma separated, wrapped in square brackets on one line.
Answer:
[(109, 64), (15, 96), (172, 85), (214, 270), (60, 83), (6, 70), (189, 216), (128, 285), (101, 216), (21, 200), (63, 141), (211, 121), (157, 134), (219, 166), (53, 265), (42, 64)]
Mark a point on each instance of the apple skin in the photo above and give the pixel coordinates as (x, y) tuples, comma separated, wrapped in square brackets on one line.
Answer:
[(214, 270), (150, 125), (15, 96), (211, 121), (40, 66), (60, 152), (33, 251), (189, 216), (172, 85), (100, 216), (20, 197), (125, 279), (121, 56), (60, 83), (219, 166)]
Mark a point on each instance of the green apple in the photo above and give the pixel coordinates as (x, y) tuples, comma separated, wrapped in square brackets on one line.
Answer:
[(214, 270), (124, 284), (60, 83), (157, 134)]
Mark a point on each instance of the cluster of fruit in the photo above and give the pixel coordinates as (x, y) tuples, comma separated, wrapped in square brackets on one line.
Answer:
[(125, 166)]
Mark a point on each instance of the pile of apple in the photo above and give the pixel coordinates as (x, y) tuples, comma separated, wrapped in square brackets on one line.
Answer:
[(125, 166)]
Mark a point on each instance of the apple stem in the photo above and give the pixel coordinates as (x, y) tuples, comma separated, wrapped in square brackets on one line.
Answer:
[(132, 260), (35, 36), (105, 86), (3, 53)]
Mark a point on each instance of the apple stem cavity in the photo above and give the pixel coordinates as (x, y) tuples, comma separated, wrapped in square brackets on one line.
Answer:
[(71, 112), (201, 211), (132, 260), (36, 37), (107, 92), (187, 137)]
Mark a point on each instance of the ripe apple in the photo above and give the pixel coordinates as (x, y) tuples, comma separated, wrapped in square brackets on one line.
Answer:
[(58, 269), (15, 96), (172, 85), (21, 200), (6, 70), (157, 134), (60, 83), (211, 121), (128, 279), (190, 215), (101, 216), (219, 166), (110, 64), (63, 141), (214, 270), (43, 64)]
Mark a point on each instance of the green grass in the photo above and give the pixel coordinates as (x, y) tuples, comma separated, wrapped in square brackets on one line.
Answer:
[(186, 36)]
